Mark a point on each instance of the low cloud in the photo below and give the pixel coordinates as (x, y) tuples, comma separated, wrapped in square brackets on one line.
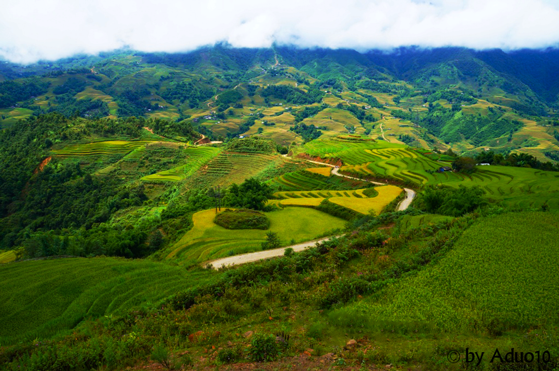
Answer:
[(32, 30)]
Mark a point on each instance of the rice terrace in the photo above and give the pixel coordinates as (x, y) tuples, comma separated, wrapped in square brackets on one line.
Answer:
[(280, 208)]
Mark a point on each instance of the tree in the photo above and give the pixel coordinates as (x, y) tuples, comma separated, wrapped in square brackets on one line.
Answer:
[(155, 241), (252, 194), (217, 194), (272, 241), (464, 165)]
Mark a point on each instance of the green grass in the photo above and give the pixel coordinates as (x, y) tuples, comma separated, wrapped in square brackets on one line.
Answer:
[(208, 241), (43, 298), (502, 270)]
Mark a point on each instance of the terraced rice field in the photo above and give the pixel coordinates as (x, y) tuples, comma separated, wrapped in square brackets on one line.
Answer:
[(400, 163), (386, 194), (42, 298), (228, 168), (306, 181), (355, 200), (206, 240), (112, 147), (326, 171), (516, 187), (196, 157)]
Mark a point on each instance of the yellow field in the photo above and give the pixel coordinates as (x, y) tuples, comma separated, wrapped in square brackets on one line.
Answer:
[(301, 202), (272, 110), (94, 94), (352, 199), (332, 100), (7, 256), (326, 171), (481, 107), (384, 98), (284, 118), (386, 194)]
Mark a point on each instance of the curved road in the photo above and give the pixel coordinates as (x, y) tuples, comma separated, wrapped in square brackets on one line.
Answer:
[(255, 256), (382, 132)]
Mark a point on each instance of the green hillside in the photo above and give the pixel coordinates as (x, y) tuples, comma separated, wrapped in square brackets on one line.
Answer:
[(48, 297), (488, 280)]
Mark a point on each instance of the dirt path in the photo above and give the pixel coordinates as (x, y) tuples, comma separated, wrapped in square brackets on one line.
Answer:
[(255, 256), (382, 132), (42, 165), (410, 195), (151, 131), (201, 139), (212, 99)]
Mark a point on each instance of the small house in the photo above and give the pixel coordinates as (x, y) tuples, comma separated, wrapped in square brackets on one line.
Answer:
[(442, 169)]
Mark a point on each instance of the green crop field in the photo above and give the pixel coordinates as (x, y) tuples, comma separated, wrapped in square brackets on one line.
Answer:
[(42, 298), (207, 241), (196, 157), (487, 277), (111, 147)]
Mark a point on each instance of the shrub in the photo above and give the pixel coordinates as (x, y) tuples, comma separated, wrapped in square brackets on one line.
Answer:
[(263, 348), (344, 290), (161, 354), (289, 252), (242, 219), (337, 210), (272, 241), (317, 330), (228, 355)]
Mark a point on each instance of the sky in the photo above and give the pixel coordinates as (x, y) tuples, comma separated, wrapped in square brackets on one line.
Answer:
[(32, 30)]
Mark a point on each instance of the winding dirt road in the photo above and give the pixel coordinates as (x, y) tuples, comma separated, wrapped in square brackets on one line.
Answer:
[(382, 132), (255, 256)]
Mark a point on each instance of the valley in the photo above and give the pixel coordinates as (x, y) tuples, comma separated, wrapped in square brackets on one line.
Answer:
[(350, 209)]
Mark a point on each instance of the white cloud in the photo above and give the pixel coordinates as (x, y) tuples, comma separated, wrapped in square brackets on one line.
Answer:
[(50, 29)]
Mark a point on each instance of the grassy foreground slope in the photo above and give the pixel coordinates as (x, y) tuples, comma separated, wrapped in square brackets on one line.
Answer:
[(500, 275), (42, 298)]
